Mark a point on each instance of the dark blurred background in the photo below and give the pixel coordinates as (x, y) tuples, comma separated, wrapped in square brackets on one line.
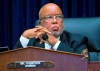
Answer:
[(19, 15)]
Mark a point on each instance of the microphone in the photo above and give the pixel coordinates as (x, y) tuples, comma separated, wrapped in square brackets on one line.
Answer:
[(44, 36)]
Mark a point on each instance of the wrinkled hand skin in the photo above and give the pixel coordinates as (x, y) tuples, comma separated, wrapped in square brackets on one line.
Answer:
[(37, 33)]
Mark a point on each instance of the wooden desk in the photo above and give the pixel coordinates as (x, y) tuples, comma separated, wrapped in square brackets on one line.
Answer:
[(63, 61), (94, 66)]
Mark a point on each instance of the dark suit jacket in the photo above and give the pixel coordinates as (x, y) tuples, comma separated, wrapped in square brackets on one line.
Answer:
[(74, 43)]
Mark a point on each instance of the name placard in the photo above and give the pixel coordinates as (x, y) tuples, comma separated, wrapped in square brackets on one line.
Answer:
[(30, 64)]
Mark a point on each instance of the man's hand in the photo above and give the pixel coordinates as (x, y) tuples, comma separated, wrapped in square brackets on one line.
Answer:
[(37, 32), (51, 39), (31, 33)]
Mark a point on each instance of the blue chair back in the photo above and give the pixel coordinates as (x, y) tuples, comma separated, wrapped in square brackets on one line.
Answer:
[(89, 27)]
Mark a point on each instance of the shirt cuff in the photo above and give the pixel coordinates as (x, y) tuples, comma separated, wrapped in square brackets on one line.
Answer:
[(56, 45), (24, 41)]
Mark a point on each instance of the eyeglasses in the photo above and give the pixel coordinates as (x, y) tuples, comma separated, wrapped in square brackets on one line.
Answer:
[(51, 18)]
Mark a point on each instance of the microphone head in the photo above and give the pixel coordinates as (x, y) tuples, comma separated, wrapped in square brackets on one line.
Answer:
[(44, 36)]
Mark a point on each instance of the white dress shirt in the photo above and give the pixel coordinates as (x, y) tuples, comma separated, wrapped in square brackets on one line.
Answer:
[(24, 41)]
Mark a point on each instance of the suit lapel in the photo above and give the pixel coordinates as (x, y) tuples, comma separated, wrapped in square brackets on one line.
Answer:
[(65, 37), (35, 42), (42, 45)]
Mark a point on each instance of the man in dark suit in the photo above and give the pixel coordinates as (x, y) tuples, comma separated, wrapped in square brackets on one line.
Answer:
[(51, 24)]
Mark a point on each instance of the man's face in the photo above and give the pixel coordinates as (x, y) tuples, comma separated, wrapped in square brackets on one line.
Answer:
[(52, 19)]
